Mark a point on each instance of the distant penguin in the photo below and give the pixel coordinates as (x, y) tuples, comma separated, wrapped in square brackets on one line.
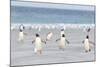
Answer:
[(21, 27), (88, 30), (49, 36), (39, 29), (21, 33), (62, 42), (87, 44), (38, 44)]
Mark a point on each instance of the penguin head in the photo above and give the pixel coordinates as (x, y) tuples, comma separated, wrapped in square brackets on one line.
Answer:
[(63, 35), (62, 29), (37, 35), (87, 37)]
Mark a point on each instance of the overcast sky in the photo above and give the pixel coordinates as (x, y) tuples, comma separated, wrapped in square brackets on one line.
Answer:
[(49, 5)]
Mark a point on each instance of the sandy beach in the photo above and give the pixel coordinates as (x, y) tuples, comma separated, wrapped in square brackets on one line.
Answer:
[(22, 53)]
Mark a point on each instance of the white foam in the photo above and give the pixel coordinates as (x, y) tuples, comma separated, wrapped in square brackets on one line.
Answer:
[(53, 26)]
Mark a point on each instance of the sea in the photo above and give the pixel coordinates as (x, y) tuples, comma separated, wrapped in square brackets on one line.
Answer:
[(51, 16)]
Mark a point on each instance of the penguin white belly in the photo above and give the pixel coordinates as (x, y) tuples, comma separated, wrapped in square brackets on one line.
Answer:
[(38, 44), (62, 43), (49, 36), (21, 35), (87, 45), (21, 28)]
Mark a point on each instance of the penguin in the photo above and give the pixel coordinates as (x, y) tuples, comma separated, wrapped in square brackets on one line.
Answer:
[(49, 36), (62, 42), (39, 29), (87, 44), (89, 29), (21, 32), (21, 27), (38, 44)]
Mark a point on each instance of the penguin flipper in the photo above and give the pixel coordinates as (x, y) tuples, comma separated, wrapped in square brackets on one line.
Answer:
[(57, 39), (83, 41), (33, 41), (92, 42), (67, 41), (44, 42)]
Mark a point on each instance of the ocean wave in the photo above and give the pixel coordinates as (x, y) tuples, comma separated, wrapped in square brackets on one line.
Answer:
[(52, 26)]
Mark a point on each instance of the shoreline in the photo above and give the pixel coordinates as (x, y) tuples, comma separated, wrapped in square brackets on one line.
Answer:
[(52, 26)]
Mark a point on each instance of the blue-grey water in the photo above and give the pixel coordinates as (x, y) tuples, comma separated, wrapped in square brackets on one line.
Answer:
[(20, 14)]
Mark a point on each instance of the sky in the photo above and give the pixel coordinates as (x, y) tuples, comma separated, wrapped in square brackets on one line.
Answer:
[(88, 2), (50, 5)]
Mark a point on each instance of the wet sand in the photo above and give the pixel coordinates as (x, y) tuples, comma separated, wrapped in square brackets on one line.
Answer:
[(22, 53)]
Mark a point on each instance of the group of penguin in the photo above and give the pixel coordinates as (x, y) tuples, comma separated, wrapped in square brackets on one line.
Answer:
[(38, 42)]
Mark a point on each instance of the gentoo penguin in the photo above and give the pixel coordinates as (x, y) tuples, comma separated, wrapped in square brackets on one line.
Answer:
[(87, 44), (38, 44), (62, 42), (21, 33), (87, 30), (49, 36)]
